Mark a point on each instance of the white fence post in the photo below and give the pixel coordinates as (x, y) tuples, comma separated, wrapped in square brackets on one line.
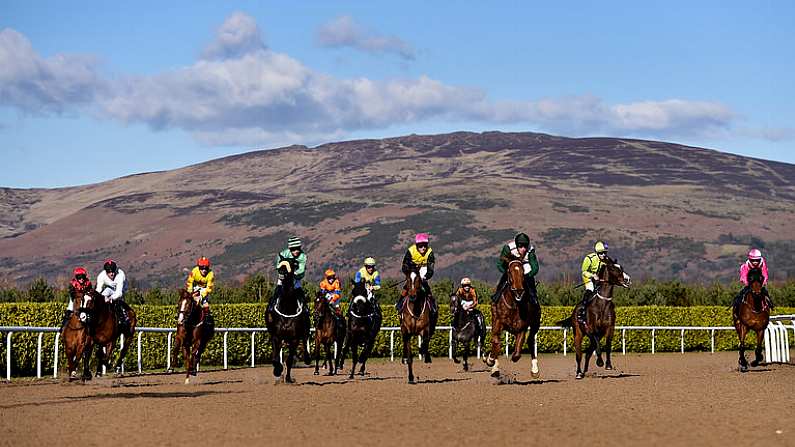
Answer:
[(565, 333), (712, 340), (168, 350), (392, 346), (140, 356), (8, 356), (55, 361), (38, 356), (252, 348), (226, 333), (683, 341), (652, 341), (623, 342)]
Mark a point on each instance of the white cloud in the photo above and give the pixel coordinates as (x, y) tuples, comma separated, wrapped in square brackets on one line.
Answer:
[(345, 32), (41, 86), (240, 92)]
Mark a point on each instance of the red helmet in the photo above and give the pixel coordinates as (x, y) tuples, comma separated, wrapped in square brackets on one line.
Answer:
[(80, 271), (203, 262)]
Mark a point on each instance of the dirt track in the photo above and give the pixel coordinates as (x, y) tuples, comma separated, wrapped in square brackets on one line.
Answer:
[(662, 399)]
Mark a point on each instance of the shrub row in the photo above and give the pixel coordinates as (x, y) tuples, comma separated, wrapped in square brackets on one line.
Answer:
[(252, 315)]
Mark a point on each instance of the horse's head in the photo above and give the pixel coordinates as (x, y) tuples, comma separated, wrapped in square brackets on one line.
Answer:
[(413, 285), (612, 273), (86, 301), (286, 269), (515, 274), (756, 280), (185, 306), (322, 301)]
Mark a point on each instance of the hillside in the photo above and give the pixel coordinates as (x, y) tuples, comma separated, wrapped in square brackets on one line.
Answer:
[(668, 211)]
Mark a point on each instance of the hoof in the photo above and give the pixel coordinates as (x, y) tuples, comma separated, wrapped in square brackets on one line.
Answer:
[(456, 360), (609, 367), (317, 373), (361, 373), (350, 377), (754, 363), (466, 367), (330, 373), (515, 357), (187, 380), (579, 375), (495, 374), (277, 369), (411, 381), (488, 361), (289, 380), (427, 358), (169, 370), (599, 362), (743, 368)]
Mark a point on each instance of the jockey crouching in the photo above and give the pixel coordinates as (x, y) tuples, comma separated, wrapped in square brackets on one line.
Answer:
[(590, 267), (518, 250), (754, 261), (112, 284), (331, 291), (200, 285), (78, 286), (295, 253), (371, 278), (465, 298), (420, 258)]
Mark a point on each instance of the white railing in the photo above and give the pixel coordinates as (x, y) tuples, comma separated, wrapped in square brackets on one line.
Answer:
[(776, 340), (780, 335)]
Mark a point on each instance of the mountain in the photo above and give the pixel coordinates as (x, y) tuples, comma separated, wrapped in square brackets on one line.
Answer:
[(667, 210)]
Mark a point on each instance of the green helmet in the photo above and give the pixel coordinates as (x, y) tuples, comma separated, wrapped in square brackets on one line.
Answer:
[(522, 239)]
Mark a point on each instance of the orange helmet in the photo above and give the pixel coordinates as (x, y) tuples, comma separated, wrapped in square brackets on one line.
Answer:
[(330, 273), (203, 262)]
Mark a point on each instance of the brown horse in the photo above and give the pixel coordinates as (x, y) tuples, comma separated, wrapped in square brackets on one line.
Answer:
[(753, 312), (193, 334), (105, 330), (515, 313), (415, 320), (286, 322), (600, 318), (76, 337), (328, 330)]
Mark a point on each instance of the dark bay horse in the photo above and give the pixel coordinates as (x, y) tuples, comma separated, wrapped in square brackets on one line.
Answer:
[(105, 330), (192, 333), (328, 330), (286, 323), (752, 313), (470, 327), (600, 319), (364, 322), (415, 320), (76, 335), (515, 313)]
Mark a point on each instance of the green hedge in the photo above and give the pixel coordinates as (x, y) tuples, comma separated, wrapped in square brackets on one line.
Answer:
[(252, 315)]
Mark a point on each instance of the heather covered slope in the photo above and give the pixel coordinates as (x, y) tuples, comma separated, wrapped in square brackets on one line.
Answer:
[(669, 211)]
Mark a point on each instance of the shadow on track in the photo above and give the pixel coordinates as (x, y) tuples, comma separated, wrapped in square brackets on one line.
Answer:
[(146, 395)]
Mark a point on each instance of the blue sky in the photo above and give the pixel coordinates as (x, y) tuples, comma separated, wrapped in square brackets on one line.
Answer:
[(91, 91)]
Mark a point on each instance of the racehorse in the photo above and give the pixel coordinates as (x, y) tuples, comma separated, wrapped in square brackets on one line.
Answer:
[(753, 312), (76, 337), (105, 330), (600, 318), (470, 327), (286, 322), (328, 330), (415, 320), (364, 322), (515, 313), (192, 333)]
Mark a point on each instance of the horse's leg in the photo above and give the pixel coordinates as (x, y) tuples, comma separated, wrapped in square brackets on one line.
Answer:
[(531, 345), (332, 366), (407, 355), (86, 354), (100, 361), (276, 348), (609, 347), (425, 348), (354, 358), (175, 350), (466, 355), (292, 353), (123, 352), (758, 351), (492, 359), (517, 346), (455, 347), (317, 354), (578, 349), (742, 332), (588, 352)]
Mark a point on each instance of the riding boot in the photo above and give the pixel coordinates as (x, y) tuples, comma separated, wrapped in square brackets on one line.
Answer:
[(739, 297), (203, 317), (769, 300), (67, 314), (272, 302), (500, 286)]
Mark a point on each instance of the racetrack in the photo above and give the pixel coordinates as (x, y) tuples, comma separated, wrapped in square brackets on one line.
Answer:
[(660, 399)]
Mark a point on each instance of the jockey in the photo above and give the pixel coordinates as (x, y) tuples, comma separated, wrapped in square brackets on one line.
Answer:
[(112, 284), (590, 267), (200, 284), (371, 278), (466, 297), (419, 258), (294, 252), (754, 261), (518, 250), (78, 286), (330, 288)]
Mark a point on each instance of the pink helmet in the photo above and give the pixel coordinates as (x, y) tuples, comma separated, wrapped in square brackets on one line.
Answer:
[(754, 255), (422, 238)]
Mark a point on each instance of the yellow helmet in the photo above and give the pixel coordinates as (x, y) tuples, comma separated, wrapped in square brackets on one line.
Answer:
[(369, 262), (600, 247)]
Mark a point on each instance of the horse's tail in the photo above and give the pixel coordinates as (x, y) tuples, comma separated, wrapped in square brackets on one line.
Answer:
[(568, 322)]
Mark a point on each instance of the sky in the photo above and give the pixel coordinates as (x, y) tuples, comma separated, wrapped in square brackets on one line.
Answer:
[(91, 91)]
